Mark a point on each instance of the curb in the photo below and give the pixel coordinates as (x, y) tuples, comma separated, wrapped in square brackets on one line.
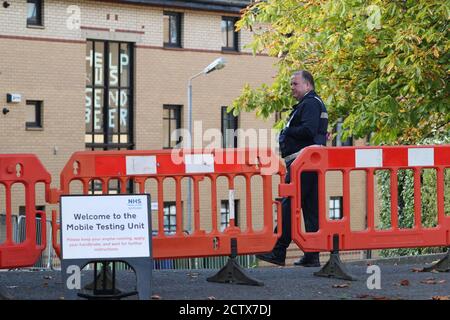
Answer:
[(421, 259)]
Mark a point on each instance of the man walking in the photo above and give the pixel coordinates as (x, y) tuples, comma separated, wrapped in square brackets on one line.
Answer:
[(307, 125)]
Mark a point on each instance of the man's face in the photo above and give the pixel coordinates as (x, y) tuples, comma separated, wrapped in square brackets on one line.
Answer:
[(299, 87)]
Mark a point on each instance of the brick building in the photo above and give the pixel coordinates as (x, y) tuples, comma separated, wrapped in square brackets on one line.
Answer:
[(112, 75)]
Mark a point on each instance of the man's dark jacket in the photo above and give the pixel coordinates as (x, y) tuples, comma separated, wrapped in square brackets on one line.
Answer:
[(307, 125)]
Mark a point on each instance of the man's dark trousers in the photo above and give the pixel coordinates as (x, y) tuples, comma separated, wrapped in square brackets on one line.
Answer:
[(310, 208)]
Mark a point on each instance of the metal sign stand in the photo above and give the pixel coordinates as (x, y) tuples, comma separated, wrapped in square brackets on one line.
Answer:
[(104, 289), (104, 284)]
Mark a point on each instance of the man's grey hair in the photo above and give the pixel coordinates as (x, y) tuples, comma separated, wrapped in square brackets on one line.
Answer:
[(307, 76)]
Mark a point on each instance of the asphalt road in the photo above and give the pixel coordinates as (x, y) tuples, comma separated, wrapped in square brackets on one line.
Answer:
[(398, 281)]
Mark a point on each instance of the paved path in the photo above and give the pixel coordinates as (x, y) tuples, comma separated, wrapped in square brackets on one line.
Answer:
[(398, 281)]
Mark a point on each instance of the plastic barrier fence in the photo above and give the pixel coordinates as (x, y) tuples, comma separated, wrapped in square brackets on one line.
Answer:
[(27, 170), (369, 160), (136, 167)]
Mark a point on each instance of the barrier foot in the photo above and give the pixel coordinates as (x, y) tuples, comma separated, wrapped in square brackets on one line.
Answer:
[(232, 272), (334, 268), (442, 265)]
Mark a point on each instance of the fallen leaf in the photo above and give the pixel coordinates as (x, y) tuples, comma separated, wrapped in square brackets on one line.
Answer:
[(434, 271), (404, 282), (440, 298), (380, 298), (363, 296), (193, 274), (212, 298), (12, 287), (48, 277), (429, 281), (344, 285), (441, 281), (417, 270), (156, 297)]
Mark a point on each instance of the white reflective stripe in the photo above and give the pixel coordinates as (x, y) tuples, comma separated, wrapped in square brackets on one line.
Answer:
[(231, 203), (141, 165), (420, 157), (368, 158), (324, 115), (290, 119), (199, 163), (320, 100)]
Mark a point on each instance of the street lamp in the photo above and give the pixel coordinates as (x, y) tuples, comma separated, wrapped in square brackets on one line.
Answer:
[(217, 64)]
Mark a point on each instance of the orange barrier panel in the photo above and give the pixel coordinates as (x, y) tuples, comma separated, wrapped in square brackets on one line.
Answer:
[(27, 170), (139, 166), (369, 159)]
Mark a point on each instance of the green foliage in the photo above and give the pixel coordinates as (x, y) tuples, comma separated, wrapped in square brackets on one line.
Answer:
[(406, 201), (381, 65)]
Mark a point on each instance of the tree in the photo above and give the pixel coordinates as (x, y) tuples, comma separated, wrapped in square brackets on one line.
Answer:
[(381, 65)]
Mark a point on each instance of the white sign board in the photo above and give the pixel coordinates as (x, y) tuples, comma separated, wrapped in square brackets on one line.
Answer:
[(105, 226)]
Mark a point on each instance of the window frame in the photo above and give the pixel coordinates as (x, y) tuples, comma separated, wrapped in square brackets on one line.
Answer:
[(106, 87), (235, 46), (177, 108), (168, 205), (332, 209), (39, 21), (38, 108), (225, 203), (179, 18), (228, 117)]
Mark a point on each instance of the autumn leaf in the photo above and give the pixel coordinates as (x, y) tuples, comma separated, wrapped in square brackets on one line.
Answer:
[(440, 298), (372, 40), (404, 283), (380, 298), (417, 270), (432, 281)]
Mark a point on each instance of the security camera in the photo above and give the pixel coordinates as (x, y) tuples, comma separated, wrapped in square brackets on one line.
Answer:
[(6, 4), (5, 110)]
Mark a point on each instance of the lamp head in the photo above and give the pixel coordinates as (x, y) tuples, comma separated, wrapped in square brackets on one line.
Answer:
[(217, 64)]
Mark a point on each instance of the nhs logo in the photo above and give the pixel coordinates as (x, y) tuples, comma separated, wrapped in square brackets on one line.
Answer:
[(134, 203)]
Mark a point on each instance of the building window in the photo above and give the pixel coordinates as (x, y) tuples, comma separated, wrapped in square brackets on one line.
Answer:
[(225, 214), (33, 114), (34, 13), (172, 29), (109, 95), (171, 126), (170, 217), (229, 127), (335, 209), (23, 212), (337, 141), (229, 35)]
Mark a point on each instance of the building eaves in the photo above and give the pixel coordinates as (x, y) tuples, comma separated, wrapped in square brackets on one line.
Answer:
[(231, 6)]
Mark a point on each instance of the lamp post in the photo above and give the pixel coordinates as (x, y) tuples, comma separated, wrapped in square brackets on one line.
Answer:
[(217, 64)]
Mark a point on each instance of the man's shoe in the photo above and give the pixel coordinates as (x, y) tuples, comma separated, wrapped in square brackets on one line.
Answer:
[(271, 258), (305, 262)]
